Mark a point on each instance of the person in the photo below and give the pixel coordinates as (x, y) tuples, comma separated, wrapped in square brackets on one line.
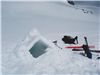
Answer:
[(70, 40)]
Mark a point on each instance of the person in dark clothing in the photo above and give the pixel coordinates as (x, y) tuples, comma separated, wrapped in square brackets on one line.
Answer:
[(70, 40)]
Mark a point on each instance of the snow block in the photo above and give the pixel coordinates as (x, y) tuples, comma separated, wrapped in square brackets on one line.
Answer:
[(33, 46)]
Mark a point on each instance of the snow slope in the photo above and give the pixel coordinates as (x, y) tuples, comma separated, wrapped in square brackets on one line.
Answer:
[(49, 18), (53, 20)]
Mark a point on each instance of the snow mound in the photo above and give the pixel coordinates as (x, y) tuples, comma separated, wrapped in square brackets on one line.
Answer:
[(33, 43), (53, 61), (57, 61)]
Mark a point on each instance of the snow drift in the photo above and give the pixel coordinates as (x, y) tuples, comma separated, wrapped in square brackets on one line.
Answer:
[(52, 61)]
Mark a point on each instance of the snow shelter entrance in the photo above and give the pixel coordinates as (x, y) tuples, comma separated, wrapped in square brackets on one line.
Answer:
[(38, 48)]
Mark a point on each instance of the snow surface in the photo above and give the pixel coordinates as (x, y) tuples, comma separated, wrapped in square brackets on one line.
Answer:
[(53, 20), (54, 61)]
